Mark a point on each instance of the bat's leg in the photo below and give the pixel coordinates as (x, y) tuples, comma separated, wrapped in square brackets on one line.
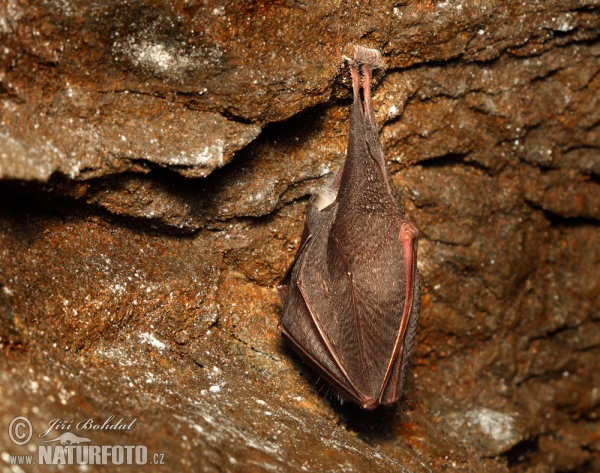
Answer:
[(367, 69), (370, 63), (370, 59), (355, 82)]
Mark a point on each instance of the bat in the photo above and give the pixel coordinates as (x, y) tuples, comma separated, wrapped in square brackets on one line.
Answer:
[(351, 297)]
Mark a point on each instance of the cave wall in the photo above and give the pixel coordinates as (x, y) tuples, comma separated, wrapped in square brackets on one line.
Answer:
[(155, 164)]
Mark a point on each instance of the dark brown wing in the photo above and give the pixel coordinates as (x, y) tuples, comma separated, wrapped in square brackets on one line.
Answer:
[(366, 235), (352, 280), (351, 297), (300, 323), (393, 389)]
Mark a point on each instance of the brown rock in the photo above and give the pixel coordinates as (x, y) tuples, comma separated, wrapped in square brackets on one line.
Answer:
[(155, 160)]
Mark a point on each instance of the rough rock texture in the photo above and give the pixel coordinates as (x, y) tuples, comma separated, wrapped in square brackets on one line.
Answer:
[(155, 160)]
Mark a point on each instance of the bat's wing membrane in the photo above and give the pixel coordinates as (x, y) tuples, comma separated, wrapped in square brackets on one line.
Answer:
[(393, 390), (306, 298), (351, 297)]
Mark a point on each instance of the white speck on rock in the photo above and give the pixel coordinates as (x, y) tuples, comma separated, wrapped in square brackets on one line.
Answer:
[(392, 112), (210, 155), (152, 340)]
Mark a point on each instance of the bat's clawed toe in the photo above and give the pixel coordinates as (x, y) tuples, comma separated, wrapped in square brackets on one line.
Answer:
[(367, 57)]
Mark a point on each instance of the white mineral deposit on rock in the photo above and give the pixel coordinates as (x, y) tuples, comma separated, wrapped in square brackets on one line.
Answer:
[(496, 424), (152, 340)]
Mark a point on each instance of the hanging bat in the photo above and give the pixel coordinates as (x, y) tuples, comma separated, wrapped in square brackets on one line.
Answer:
[(351, 297)]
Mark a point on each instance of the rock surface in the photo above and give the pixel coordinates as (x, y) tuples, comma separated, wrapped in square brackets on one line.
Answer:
[(155, 161)]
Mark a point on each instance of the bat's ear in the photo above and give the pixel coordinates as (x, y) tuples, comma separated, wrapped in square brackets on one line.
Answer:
[(324, 198)]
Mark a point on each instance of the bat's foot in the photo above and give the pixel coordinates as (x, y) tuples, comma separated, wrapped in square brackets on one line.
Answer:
[(371, 58)]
